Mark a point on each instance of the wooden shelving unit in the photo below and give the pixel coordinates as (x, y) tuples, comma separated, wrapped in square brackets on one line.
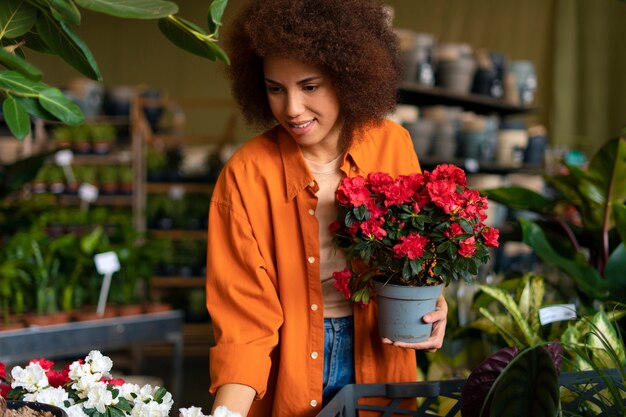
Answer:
[(422, 95)]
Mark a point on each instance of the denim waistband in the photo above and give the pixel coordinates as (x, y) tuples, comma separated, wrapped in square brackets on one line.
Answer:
[(339, 323)]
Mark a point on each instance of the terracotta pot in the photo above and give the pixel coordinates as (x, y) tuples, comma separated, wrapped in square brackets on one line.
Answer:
[(89, 313), (129, 310), (47, 319), (11, 325), (157, 308)]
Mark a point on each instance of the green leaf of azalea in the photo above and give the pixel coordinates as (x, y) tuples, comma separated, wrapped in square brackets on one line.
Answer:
[(16, 118), (56, 103), (65, 10), (16, 18), (131, 9), (19, 64), (61, 40)]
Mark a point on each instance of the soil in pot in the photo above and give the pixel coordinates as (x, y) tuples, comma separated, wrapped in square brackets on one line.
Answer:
[(29, 409)]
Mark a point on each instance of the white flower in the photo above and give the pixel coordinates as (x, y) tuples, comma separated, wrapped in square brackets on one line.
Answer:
[(32, 378), (49, 395), (99, 363), (191, 412), (79, 370), (76, 411), (84, 384), (99, 397), (223, 411), (126, 390), (150, 409)]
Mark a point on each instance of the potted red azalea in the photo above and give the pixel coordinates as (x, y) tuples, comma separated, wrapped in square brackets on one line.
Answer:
[(411, 233)]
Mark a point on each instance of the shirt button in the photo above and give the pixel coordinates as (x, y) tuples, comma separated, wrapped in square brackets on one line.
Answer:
[(314, 355), (313, 403), (311, 212), (312, 184), (314, 307), (311, 259), (354, 169)]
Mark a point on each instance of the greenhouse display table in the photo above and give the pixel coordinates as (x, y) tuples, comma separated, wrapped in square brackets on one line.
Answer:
[(78, 338)]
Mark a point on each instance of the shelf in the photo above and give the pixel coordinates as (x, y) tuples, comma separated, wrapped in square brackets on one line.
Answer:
[(114, 158), (103, 200), (187, 187), (179, 282), (483, 167), (180, 234), (421, 95)]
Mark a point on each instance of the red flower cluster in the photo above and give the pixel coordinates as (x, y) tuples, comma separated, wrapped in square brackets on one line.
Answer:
[(418, 229)]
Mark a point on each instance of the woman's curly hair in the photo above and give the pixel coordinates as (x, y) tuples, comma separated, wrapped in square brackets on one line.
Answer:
[(350, 41)]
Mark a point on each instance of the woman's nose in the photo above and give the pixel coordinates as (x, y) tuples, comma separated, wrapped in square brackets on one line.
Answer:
[(294, 106)]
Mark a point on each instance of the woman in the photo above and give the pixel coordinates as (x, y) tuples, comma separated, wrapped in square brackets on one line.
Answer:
[(327, 72)]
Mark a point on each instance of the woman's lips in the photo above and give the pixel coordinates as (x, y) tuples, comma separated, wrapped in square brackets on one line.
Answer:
[(302, 128)]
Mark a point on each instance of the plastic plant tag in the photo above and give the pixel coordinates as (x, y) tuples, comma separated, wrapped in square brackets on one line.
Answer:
[(63, 158), (558, 312), (107, 263), (176, 192), (88, 193)]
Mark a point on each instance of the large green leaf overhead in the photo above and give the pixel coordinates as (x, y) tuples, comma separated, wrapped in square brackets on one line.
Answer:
[(61, 40), (16, 117), (65, 10), (191, 37), (133, 9), (15, 62), (16, 18)]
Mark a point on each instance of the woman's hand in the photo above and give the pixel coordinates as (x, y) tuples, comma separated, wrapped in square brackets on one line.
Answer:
[(439, 319)]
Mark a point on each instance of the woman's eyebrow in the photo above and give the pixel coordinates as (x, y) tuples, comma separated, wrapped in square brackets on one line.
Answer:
[(303, 81)]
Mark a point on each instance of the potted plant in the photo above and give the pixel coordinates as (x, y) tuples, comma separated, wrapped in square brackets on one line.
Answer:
[(410, 234), (62, 136), (581, 226), (108, 179), (81, 139), (126, 178), (103, 136)]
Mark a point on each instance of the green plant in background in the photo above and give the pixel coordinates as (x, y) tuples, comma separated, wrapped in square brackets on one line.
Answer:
[(13, 280), (47, 26), (587, 243)]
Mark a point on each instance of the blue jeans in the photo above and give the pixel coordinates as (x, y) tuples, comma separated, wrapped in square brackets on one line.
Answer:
[(338, 355)]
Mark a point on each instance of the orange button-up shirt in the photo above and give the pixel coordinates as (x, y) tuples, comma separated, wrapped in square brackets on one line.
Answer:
[(263, 284)]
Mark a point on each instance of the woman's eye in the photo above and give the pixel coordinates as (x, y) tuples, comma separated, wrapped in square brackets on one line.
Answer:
[(310, 88), (273, 89)]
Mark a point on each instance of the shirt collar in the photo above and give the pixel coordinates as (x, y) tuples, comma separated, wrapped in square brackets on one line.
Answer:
[(297, 173)]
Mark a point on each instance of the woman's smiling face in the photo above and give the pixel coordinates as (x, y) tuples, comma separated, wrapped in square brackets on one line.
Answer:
[(305, 103)]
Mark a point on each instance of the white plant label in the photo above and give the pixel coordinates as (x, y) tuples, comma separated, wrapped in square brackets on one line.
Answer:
[(107, 263), (88, 192), (176, 192), (558, 312), (64, 158)]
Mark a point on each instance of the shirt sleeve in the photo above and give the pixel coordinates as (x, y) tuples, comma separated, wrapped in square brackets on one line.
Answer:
[(242, 299)]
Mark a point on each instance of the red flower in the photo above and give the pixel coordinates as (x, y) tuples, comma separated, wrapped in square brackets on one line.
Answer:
[(372, 227), (342, 282), (455, 230), (57, 378), (46, 364), (443, 194), (412, 246), (449, 173), (353, 191), (3, 371), (468, 247), (116, 382), (491, 235), (4, 390), (379, 180), (334, 227)]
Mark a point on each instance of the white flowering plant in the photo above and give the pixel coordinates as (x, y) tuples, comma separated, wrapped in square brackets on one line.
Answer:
[(86, 388)]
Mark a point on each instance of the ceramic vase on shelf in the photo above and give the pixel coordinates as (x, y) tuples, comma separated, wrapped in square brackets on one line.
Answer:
[(401, 308)]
